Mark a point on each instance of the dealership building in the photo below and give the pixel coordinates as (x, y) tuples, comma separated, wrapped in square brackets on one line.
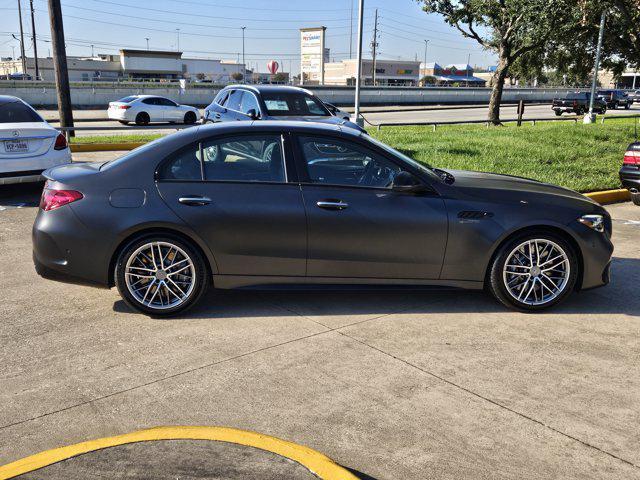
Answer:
[(387, 72), (132, 64)]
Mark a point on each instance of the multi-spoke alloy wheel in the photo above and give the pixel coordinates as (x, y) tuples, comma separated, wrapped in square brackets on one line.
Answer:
[(534, 272), (160, 275)]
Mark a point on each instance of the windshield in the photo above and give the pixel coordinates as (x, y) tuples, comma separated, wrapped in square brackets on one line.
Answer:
[(18, 112), (283, 104), (423, 167)]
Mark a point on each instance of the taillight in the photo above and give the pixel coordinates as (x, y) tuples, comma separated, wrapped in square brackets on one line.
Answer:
[(631, 157), (61, 142), (52, 199), (124, 107)]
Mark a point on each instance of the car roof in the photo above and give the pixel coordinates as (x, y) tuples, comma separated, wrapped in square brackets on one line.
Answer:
[(4, 99), (269, 88), (277, 125)]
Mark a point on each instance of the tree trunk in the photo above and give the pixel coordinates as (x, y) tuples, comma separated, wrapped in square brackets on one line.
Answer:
[(496, 90)]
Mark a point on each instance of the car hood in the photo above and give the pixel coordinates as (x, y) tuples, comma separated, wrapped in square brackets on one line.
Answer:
[(508, 183)]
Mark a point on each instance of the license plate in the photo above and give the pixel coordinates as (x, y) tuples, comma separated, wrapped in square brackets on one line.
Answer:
[(15, 146)]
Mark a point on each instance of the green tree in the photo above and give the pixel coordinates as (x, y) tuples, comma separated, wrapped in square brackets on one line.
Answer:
[(510, 28), (428, 80), (237, 76)]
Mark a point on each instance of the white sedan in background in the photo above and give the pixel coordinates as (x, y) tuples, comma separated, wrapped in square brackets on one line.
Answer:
[(28, 144), (143, 109)]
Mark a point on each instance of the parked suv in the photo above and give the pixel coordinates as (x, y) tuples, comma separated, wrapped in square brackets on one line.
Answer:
[(577, 103), (630, 171), (615, 98), (269, 102)]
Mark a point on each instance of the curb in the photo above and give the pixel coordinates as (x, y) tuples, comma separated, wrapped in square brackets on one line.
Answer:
[(104, 147), (610, 196), (314, 461)]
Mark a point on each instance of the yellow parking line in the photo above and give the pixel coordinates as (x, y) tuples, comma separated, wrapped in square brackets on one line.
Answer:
[(103, 147), (314, 461)]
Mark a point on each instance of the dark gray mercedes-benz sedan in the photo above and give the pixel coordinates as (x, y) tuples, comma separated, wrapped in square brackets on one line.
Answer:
[(250, 204)]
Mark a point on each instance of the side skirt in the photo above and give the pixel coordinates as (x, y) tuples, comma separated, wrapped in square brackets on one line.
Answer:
[(245, 281)]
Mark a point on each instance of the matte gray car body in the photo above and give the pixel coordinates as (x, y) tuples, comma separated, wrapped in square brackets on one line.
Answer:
[(256, 234)]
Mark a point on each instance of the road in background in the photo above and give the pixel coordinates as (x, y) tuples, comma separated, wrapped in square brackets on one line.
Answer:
[(404, 115)]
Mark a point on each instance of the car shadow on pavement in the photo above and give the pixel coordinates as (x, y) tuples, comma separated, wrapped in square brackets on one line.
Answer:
[(616, 298)]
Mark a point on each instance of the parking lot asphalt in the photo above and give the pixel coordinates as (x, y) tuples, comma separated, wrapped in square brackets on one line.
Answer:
[(394, 384)]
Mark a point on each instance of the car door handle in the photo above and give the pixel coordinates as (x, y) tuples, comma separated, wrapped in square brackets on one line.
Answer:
[(332, 204), (194, 201)]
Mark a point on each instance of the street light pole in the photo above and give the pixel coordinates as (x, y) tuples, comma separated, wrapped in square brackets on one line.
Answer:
[(426, 44), (359, 121), (147, 39), (590, 118), (244, 66), (178, 41)]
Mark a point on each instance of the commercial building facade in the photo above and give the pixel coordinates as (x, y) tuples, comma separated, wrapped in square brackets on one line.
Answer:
[(455, 74), (387, 72)]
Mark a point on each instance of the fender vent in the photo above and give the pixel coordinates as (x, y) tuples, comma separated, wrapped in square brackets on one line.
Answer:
[(474, 215)]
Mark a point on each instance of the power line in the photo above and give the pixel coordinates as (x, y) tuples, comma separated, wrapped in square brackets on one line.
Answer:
[(421, 41)]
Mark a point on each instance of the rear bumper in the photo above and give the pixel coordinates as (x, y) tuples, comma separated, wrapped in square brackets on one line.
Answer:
[(30, 176), (630, 178)]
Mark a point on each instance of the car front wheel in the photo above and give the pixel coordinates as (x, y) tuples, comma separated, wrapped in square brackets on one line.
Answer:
[(190, 118), (533, 272), (161, 275)]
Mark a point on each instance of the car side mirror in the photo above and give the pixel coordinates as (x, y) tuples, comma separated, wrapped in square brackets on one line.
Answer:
[(405, 182), (252, 114)]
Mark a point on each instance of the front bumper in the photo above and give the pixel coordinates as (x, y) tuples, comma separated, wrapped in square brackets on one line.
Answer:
[(596, 249)]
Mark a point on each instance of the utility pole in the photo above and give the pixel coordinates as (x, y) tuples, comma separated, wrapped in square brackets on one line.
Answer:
[(60, 65), (35, 42), (374, 46), (590, 118), (24, 60), (178, 41), (91, 50), (244, 66), (359, 121), (147, 39)]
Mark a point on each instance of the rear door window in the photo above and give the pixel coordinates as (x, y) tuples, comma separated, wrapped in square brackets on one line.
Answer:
[(235, 100), (18, 112)]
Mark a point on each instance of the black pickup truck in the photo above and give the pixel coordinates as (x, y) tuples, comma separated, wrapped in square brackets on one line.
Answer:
[(577, 103), (615, 98)]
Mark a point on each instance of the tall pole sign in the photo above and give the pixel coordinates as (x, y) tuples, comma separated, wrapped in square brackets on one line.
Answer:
[(312, 55)]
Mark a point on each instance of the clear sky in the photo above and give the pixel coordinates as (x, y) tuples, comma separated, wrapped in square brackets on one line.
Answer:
[(212, 29)]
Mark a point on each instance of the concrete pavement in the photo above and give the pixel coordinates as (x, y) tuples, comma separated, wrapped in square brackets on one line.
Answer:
[(396, 384)]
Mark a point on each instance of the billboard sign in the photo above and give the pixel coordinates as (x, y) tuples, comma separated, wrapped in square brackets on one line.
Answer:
[(312, 56)]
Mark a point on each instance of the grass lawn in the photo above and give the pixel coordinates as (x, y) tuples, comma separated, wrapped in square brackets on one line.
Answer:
[(124, 138), (581, 157)]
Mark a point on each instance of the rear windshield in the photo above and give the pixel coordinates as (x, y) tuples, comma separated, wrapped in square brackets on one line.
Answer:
[(18, 112), (293, 104), (127, 99)]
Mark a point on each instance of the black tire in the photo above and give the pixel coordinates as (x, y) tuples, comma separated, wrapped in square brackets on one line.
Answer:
[(142, 118), (496, 282), (558, 112), (190, 118), (200, 278), (635, 198), (123, 122)]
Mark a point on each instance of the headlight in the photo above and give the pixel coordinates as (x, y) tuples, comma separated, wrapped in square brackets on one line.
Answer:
[(595, 222)]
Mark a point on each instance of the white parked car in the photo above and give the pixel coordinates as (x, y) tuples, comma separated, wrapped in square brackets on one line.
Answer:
[(29, 145), (143, 109)]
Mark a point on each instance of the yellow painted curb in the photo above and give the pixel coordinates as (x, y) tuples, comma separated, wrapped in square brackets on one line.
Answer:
[(314, 461), (610, 196), (104, 147)]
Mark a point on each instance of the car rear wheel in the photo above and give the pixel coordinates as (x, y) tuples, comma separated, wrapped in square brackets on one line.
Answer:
[(635, 198), (161, 275), (533, 271), (142, 118), (190, 118)]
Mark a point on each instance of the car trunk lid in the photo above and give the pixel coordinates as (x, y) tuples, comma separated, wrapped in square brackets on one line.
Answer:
[(27, 139)]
